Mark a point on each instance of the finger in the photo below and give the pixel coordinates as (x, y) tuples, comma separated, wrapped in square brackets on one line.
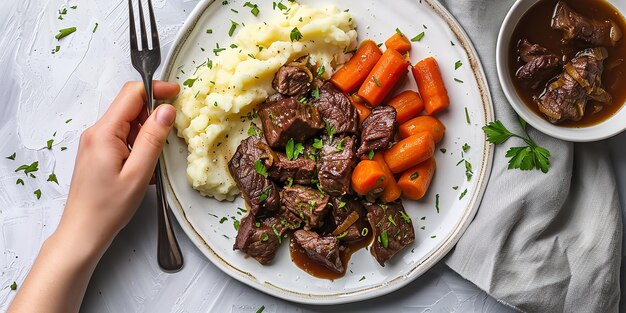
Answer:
[(130, 102), (134, 131), (148, 145)]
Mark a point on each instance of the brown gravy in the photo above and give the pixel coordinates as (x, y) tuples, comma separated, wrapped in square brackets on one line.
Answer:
[(302, 260), (535, 26)]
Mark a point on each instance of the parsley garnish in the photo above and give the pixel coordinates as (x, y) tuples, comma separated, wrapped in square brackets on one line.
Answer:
[(390, 219), (233, 26), (33, 167), (265, 194), (457, 64), (370, 155), (384, 240), (466, 147), (236, 224), (14, 286), (317, 143), (19, 181), (64, 32), (262, 308), (437, 202), (224, 219), (289, 182), (281, 6), (458, 80), (362, 278), (260, 168), (53, 178), (405, 217), (340, 145), (330, 130), (38, 193), (49, 144), (209, 31), (376, 81), (94, 28), (316, 93), (280, 240), (293, 149), (399, 32), (443, 150), (295, 34), (463, 194), (68, 120), (321, 70), (467, 118), (525, 158), (11, 157), (254, 7), (468, 170), (189, 82), (418, 37)]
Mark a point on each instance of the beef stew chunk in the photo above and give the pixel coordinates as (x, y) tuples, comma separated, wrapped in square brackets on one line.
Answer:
[(337, 110), (378, 129), (576, 26), (301, 170), (294, 79), (256, 240), (289, 119), (308, 204), (341, 210), (393, 229), (259, 192), (566, 97), (337, 159), (323, 250), (283, 222), (540, 65)]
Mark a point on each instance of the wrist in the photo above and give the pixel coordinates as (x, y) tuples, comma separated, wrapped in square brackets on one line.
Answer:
[(85, 242)]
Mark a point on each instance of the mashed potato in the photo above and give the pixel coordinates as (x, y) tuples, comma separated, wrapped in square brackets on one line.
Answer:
[(215, 113)]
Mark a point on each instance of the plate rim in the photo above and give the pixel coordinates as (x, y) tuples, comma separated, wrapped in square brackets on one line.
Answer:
[(368, 292)]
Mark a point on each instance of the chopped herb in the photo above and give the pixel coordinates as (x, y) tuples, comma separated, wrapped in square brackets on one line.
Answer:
[(405, 217), (468, 170), (233, 26), (261, 309), (295, 34), (236, 224), (362, 278), (391, 144), (38, 193), (293, 150), (14, 286), (418, 37), (251, 56), (49, 144), (452, 43), (466, 147), (316, 93), (345, 233), (254, 7), (68, 120), (399, 32), (217, 49), (376, 81), (289, 182), (423, 218), (364, 231), (224, 219), (414, 176), (321, 70), (352, 51), (433, 236), (370, 155), (65, 32), (390, 219), (63, 148), (11, 157), (423, 227), (384, 240), (33, 167), (280, 240), (455, 187), (458, 80), (424, 26), (281, 6), (437, 202), (330, 130), (463, 194), (260, 168), (265, 237), (457, 64), (53, 178), (317, 143), (339, 145), (467, 118), (443, 150), (95, 27), (19, 182), (234, 10), (265, 194), (209, 31), (233, 46), (189, 82)]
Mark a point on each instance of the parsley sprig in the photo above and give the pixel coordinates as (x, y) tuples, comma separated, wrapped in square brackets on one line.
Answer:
[(525, 158)]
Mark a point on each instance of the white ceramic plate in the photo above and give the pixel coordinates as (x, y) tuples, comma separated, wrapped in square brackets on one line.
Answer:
[(200, 217)]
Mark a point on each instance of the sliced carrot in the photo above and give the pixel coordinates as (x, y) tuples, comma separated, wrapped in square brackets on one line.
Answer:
[(368, 176), (421, 124), (407, 104), (431, 87), (361, 108), (388, 71), (399, 43), (354, 72), (415, 181), (409, 152), (392, 191)]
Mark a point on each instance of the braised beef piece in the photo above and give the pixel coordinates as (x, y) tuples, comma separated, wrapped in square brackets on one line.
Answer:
[(541, 63), (566, 97), (301, 170), (577, 26), (275, 97), (284, 221), (259, 192), (288, 118), (337, 110), (341, 210), (323, 250), (294, 79), (378, 129), (337, 159), (308, 204), (256, 240), (393, 229)]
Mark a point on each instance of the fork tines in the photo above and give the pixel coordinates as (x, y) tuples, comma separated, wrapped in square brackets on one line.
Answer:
[(144, 38)]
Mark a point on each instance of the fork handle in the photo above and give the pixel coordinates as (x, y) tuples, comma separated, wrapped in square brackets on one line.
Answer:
[(169, 255)]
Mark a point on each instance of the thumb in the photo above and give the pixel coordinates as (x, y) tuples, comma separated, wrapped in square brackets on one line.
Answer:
[(149, 143)]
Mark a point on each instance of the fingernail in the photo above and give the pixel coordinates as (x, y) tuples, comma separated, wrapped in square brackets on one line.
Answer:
[(165, 115)]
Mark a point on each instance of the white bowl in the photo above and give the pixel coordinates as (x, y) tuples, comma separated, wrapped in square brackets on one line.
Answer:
[(608, 128)]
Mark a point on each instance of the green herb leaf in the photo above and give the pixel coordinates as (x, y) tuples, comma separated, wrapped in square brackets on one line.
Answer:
[(418, 37), (223, 219), (390, 219), (466, 147), (19, 182), (437, 202), (236, 225), (49, 144), (265, 194), (95, 27), (384, 240), (63, 148), (254, 7), (64, 32), (14, 286), (405, 217), (11, 157), (280, 239), (259, 167), (317, 143), (281, 6), (330, 130), (339, 145), (295, 34), (33, 167), (233, 26), (467, 117), (458, 80), (443, 150), (364, 231), (463, 194), (370, 155), (68, 120), (376, 81), (362, 278), (289, 182), (316, 93), (261, 309), (37, 193), (399, 32), (496, 132), (468, 170), (414, 176), (321, 70), (53, 178), (457, 64), (189, 82)]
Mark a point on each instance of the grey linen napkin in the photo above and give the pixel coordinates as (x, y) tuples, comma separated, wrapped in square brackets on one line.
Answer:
[(540, 242)]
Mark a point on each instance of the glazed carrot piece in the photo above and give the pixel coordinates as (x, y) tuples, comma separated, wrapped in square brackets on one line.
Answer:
[(415, 181), (430, 85), (409, 152), (368, 176), (354, 72), (392, 191), (399, 43), (407, 104), (388, 71), (421, 124), (361, 108)]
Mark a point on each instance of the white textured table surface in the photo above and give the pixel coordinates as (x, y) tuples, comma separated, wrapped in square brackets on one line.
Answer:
[(43, 90)]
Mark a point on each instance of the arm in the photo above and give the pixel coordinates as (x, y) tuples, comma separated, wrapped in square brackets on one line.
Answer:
[(107, 186)]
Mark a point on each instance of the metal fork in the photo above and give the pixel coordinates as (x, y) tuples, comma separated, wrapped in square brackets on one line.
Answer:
[(146, 61)]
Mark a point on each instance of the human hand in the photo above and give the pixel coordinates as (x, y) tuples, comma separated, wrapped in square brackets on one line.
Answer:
[(109, 180)]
